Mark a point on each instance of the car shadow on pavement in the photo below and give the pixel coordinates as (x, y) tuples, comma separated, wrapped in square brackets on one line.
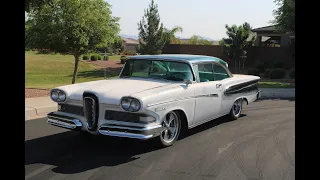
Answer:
[(70, 152)]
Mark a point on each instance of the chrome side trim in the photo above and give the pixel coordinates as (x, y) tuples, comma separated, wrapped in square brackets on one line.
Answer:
[(207, 95), (124, 134), (74, 124)]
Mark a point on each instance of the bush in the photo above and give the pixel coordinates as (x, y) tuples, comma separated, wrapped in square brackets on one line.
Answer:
[(106, 58), (253, 71), (292, 73), (267, 73), (44, 51), (85, 57), (99, 57), (260, 66), (123, 59), (277, 73), (94, 57)]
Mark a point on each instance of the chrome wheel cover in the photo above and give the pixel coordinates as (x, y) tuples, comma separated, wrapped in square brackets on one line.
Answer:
[(171, 127)]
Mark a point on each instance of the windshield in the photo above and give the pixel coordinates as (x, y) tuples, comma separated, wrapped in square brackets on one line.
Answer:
[(168, 70)]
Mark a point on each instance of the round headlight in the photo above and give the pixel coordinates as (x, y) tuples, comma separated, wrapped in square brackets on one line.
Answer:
[(135, 105), (54, 95), (125, 103), (62, 96)]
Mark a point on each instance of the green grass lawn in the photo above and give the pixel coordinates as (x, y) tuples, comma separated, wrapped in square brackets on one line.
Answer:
[(48, 71), (116, 57), (275, 85)]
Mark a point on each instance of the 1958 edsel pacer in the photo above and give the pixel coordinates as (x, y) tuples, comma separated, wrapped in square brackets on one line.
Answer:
[(155, 96)]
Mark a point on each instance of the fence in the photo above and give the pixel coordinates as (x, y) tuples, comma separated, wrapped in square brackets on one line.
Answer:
[(262, 54)]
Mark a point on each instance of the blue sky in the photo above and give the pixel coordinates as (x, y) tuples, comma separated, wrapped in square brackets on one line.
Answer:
[(206, 18)]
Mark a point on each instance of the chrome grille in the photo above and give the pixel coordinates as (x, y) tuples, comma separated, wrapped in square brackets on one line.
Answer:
[(90, 112)]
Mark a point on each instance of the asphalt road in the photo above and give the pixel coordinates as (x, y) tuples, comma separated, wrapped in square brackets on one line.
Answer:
[(259, 145)]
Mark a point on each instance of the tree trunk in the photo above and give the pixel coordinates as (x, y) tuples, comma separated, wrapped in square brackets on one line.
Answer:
[(76, 61)]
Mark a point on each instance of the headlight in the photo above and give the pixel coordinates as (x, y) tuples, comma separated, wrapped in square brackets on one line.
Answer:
[(54, 95), (130, 104), (58, 95)]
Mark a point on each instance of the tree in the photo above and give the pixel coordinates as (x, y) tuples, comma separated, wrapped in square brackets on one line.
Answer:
[(285, 16), (176, 41), (170, 34), (194, 40), (152, 37), (238, 42), (72, 27), (32, 5), (206, 42), (118, 45)]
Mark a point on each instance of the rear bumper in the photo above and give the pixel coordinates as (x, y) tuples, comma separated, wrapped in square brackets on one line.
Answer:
[(135, 132)]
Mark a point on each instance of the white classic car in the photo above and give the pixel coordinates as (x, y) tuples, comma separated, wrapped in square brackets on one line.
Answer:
[(155, 96)]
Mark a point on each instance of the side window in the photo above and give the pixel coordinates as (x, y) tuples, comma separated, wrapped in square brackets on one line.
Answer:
[(219, 72), (205, 72)]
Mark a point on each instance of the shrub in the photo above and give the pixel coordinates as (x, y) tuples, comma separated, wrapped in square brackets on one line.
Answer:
[(123, 59), (44, 51), (106, 58), (253, 71), (267, 73), (277, 73), (93, 57), (99, 57), (292, 73), (85, 57), (260, 66)]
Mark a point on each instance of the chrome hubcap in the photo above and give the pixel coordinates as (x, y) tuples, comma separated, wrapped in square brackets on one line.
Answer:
[(171, 125), (237, 107)]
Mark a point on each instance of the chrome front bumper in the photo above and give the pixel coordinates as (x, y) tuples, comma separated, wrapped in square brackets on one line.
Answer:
[(134, 132)]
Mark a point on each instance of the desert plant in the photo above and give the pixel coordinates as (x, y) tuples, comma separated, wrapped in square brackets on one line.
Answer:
[(292, 73), (277, 73), (253, 71)]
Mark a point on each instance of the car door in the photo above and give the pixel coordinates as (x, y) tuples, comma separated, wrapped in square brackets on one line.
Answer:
[(207, 93), (221, 73)]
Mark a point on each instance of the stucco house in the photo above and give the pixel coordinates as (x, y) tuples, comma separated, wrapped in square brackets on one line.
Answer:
[(268, 37), (130, 44)]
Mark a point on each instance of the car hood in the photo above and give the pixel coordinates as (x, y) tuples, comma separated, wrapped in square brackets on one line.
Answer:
[(111, 91)]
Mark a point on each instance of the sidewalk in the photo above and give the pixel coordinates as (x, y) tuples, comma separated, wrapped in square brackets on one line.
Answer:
[(39, 107), (278, 92)]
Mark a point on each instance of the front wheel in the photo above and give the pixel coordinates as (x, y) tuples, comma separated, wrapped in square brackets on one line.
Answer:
[(236, 109), (172, 128)]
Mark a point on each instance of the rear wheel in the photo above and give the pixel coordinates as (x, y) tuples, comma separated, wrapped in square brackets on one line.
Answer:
[(172, 128), (236, 109)]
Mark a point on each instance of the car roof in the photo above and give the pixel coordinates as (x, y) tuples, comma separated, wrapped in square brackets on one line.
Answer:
[(179, 57)]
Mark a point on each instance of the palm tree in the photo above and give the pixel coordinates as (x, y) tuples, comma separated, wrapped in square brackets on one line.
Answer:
[(170, 34), (238, 42)]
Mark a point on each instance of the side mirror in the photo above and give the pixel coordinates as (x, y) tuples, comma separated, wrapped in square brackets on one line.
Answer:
[(187, 82)]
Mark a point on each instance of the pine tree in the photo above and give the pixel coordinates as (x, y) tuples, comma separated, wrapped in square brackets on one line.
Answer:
[(152, 36)]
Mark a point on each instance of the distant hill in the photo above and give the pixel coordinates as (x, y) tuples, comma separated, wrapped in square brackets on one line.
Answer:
[(129, 36)]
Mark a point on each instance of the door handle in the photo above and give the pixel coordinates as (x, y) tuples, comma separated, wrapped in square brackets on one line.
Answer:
[(218, 86)]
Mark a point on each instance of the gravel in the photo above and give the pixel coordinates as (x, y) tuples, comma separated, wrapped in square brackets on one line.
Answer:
[(30, 93)]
